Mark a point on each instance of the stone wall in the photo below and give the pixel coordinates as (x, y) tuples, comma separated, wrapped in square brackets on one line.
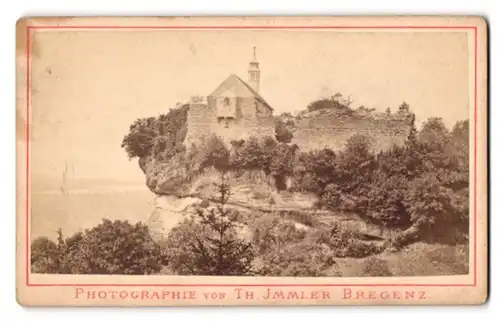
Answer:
[(331, 129), (313, 130), (202, 120), (199, 121)]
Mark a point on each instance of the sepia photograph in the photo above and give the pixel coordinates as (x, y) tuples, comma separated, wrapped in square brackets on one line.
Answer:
[(238, 152)]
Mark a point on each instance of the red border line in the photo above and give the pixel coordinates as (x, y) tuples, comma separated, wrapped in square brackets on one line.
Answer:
[(27, 134), (475, 156), (95, 27), (255, 285), (249, 27)]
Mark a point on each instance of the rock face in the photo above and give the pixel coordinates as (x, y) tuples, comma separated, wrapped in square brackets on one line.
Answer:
[(165, 178), (170, 211)]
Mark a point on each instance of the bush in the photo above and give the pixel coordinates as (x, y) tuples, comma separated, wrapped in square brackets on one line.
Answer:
[(359, 249), (298, 259), (45, 256), (109, 248), (374, 267), (254, 153), (281, 163), (272, 232), (385, 201), (332, 195), (114, 248), (214, 153), (161, 136), (334, 102), (282, 132), (343, 242), (315, 170), (428, 202)]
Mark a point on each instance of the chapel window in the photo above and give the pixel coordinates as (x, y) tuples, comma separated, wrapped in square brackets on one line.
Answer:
[(226, 109)]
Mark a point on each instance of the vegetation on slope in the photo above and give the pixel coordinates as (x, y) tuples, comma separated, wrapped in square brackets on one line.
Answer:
[(417, 191)]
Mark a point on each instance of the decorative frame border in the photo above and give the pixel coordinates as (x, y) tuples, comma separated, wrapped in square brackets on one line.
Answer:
[(220, 27)]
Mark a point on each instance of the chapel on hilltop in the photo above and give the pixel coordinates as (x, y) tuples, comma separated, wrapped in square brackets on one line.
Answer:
[(234, 110)]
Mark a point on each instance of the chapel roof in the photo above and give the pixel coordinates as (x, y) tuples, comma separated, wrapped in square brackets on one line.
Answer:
[(231, 82)]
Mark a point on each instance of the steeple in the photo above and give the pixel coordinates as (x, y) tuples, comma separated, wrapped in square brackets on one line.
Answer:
[(254, 72)]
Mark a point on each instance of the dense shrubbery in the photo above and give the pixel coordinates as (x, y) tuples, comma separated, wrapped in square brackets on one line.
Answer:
[(209, 243), (300, 259), (374, 266), (109, 248), (334, 102), (161, 136), (45, 256), (343, 242), (422, 183), (285, 250), (273, 232), (283, 133)]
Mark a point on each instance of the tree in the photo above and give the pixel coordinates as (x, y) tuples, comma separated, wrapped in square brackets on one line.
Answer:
[(281, 163), (316, 169), (357, 147), (116, 247), (355, 164), (458, 150), (210, 245), (215, 153), (428, 202), (282, 132), (109, 248), (255, 153), (434, 134), (139, 141), (404, 107), (160, 136), (45, 256)]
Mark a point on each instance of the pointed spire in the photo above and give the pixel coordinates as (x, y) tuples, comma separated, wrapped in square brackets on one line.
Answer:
[(254, 71)]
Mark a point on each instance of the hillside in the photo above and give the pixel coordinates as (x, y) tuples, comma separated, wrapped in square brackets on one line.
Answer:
[(343, 204)]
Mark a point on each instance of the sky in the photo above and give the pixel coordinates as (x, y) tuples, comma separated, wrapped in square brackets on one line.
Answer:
[(89, 86)]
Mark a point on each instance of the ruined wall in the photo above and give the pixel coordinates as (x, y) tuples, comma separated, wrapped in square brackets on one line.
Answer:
[(332, 128), (320, 129), (203, 119), (199, 121)]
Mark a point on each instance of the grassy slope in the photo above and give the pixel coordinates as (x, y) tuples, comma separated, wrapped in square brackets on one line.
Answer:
[(419, 259)]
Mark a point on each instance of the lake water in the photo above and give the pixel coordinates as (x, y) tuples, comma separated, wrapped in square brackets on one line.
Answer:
[(80, 209)]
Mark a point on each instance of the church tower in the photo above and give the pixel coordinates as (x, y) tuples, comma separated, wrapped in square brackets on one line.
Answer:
[(254, 72)]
